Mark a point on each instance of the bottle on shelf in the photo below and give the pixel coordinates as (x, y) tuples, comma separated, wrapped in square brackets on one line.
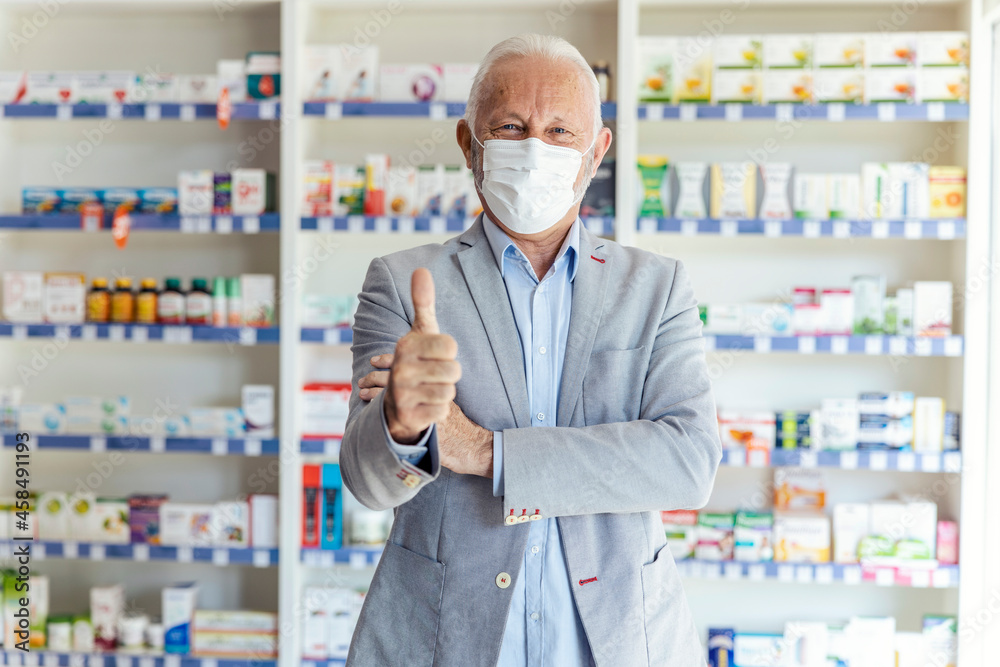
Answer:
[(99, 301), (198, 303), (145, 302), (235, 302), (170, 305), (219, 302), (603, 73), (123, 301)]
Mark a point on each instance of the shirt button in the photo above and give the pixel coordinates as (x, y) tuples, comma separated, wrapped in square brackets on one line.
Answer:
[(503, 580), (534, 550), (541, 350), (534, 616), (540, 416)]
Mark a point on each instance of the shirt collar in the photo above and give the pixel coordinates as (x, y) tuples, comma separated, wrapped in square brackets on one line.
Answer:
[(500, 242)]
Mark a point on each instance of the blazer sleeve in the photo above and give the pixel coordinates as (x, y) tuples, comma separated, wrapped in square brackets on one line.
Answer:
[(371, 468), (665, 460)]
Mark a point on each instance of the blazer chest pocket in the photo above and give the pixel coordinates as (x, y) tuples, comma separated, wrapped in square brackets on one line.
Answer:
[(612, 387)]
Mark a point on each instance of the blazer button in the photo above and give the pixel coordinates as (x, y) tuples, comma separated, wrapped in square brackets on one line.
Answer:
[(411, 480), (511, 520), (503, 580)]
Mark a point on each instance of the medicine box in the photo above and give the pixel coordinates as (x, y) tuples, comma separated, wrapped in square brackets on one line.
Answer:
[(252, 191), (401, 191), (845, 85), (127, 199), (197, 88), (82, 516), (809, 196), (737, 52), (235, 645), (850, 526), (753, 536), (156, 87), (715, 536), (657, 69), (943, 84), (932, 308), (744, 430), (776, 203), (455, 192), (195, 192), (263, 70), (312, 505), (654, 185), (946, 190), (759, 650), (358, 73), (458, 79), (50, 88), (720, 647), (106, 606), (258, 410), (162, 201), (891, 49), (836, 424), (324, 409), (23, 296), (793, 429), (943, 49), (893, 404), (598, 201), (681, 529), (231, 524), (734, 190), (692, 71), (349, 189), (258, 299), (179, 603), (315, 624), (71, 200), (40, 200), (231, 75), (788, 51), (263, 521), (144, 518), (840, 50), (798, 489), (105, 87), (807, 319), (947, 543), (801, 538), (787, 86), (53, 515), (869, 299), (320, 73), (331, 507), (186, 524), (690, 189), (411, 83), (890, 85), (736, 86), (940, 635), (112, 521), (343, 610)]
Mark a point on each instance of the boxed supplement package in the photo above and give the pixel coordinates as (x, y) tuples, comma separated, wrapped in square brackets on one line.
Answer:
[(232, 75), (317, 187), (720, 647), (850, 526), (222, 193), (932, 308), (654, 186), (235, 621), (943, 49), (599, 200), (928, 424), (715, 536), (741, 86), (810, 200), (758, 649), (892, 404), (235, 645), (252, 191), (656, 66), (320, 72), (430, 189), (112, 521), (737, 52), (940, 635), (195, 192), (692, 71), (724, 318), (401, 191), (943, 84), (890, 85), (456, 193), (71, 200), (263, 520), (946, 189), (65, 294), (794, 429), (197, 88), (156, 87), (358, 73), (144, 518), (343, 609), (690, 189), (787, 86), (104, 87), (869, 298), (53, 515), (40, 200), (801, 538), (891, 49), (263, 70), (179, 602), (840, 49), (843, 193), (106, 606), (458, 81), (947, 543), (836, 312), (158, 200), (50, 88), (836, 424), (258, 299), (186, 524), (734, 190), (798, 489), (787, 51), (231, 524), (845, 85), (681, 528), (258, 410), (411, 83), (324, 409), (331, 510), (23, 296), (777, 177), (746, 430), (752, 535), (82, 516), (315, 635), (348, 189), (129, 199)]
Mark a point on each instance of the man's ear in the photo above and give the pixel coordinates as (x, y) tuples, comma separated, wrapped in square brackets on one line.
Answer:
[(601, 147), (464, 137)]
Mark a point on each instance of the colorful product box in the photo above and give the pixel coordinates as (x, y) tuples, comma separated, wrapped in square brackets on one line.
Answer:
[(411, 83), (793, 430), (53, 515), (186, 524), (222, 193), (891, 85), (737, 52), (715, 536), (106, 606), (321, 72), (734, 190), (946, 189), (943, 49), (128, 199), (401, 191), (179, 603), (753, 537), (72, 199), (840, 50), (40, 200), (891, 49), (258, 410), (349, 189), (798, 489), (720, 647), (943, 84), (845, 85), (231, 524), (23, 296), (788, 51), (317, 188), (746, 430), (162, 201), (801, 538), (787, 86), (947, 543), (654, 185), (657, 69), (111, 517), (681, 528), (331, 507), (144, 518), (312, 502), (693, 71)]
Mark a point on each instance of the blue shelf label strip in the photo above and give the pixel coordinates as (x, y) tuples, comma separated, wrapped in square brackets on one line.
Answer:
[(265, 222), (263, 110), (435, 110), (931, 111), (945, 229), (231, 446), (354, 556), (327, 335), (943, 576), (857, 459), (14, 658), (603, 226), (152, 552), (948, 346), (152, 333)]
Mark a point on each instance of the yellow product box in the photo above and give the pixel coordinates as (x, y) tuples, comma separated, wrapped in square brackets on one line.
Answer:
[(943, 49), (787, 85), (692, 70), (737, 52), (801, 538), (947, 192), (734, 190), (788, 51), (840, 49), (839, 85), (736, 85), (943, 84), (798, 489), (656, 69)]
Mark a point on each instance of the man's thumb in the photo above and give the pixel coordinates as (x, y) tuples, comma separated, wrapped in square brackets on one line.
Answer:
[(422, 291)]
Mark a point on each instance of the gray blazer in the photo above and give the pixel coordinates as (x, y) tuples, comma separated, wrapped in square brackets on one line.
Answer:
[(636, 433)]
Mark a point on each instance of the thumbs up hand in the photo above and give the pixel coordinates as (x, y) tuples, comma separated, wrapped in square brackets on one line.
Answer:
[(421, 383)]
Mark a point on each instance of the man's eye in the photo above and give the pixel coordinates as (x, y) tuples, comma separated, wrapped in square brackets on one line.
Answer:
[(559, 130), (509, 126)]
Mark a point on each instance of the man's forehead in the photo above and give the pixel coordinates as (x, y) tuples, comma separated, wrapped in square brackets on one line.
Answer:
[(555, 89)]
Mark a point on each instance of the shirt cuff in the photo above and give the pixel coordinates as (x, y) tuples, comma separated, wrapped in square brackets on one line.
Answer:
[(497, 464), (409, 453)]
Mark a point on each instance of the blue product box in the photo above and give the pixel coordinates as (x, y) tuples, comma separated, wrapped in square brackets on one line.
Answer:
[(794, 430), (952, 430), (113, 197), (40, 200), (331, 508), (73, 198), (720, 647), (158, 200)]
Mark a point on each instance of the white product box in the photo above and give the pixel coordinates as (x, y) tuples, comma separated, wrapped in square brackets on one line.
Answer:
[(359, 70), (455, 192), (106, 606), (23, 296), (736, 86), (891, 84), (801, 538), (186, 524), (753, 536), (734, 190), (836, 312), (411, 83), (211, 422), (840, 85), (904, 311), (737, 52), (777, 177), (235, 621), (891, 49), (840, 49), (51, 88), (843, 195), (232, 75), (836, 426), (724, 319), (401, 191), (111, 521), (231, 524), (197, 88), (324, 409), (97, 406), (258, 410), (932, 308), (910, 651), (430, 190), (807, 319), (53, 515), (909, 190), (872, 641), (850, 525), (195, 192), (258, 299), (692, 70), (320, 310), (65, 298), (928, 424), (766, 319), (943, 84), (253, 191), (691, 190), (759, 650), (153, 87), (787, 85), (891, 405), (263, 521), (321, 75), (875, 191), (458, 78), (943, 49), (809, 641), (657, 68), (343, 610), (82, 516), (13, 86), (179, 603), (174, 427), (316, 624), (105, 87), (810, 200), (788, 51)]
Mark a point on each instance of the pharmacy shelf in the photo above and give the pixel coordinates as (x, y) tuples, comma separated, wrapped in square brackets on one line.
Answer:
[(941, 576), (267, 110), (948, 462), (69, 550), (329, 447), (431, 110), (192, 224), (330, 662), (327, 335), (153, 445), (143, 333), (920, 346), (602, 226), (944, 230), (356, 557), (43, 658), (832, 112)]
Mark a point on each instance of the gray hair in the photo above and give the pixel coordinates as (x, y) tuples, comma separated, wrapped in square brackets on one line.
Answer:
[(550, 47)]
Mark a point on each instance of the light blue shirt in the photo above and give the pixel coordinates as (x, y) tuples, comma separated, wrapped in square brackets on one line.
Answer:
[(543, 625)]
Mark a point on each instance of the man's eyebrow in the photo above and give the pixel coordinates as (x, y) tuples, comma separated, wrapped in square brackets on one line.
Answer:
[(508, 115)]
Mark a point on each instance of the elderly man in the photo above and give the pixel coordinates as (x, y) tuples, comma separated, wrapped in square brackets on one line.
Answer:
[(538, 409)]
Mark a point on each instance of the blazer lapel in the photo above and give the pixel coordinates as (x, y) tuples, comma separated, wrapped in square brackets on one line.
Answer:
[(589, 289), (490, 296)]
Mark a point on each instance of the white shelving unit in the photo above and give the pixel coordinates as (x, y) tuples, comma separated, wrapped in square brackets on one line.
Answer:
[(729, 260)]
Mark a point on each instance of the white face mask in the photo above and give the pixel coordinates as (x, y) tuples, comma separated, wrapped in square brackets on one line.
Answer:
[(528, 183)]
